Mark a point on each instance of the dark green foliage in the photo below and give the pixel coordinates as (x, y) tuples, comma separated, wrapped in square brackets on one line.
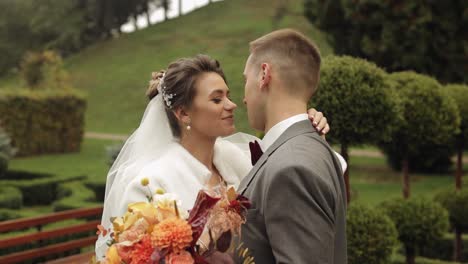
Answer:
[(66, 26), (8, 214), (6, 151), (371, 235), (42, 191), (43, 121), (418, 221), (430, 121), (456, 203), (10, 197), (459, 93), (99, 189), (353, 97), (443, 249), (44, 70), (426, 36), (74, 195)]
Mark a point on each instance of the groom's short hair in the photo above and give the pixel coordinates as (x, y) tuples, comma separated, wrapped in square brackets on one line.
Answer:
[(295, 57)]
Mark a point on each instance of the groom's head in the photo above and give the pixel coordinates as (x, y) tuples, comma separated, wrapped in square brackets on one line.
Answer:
[(282, 64)]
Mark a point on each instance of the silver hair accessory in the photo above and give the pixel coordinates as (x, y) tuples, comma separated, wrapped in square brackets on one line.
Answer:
[(162, 89)]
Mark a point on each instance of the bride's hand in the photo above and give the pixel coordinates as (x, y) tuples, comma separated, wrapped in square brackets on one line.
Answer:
[(319, 121)]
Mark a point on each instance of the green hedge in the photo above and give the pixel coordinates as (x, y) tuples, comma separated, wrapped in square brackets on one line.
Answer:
[(420, 260), (443, 248), (8, 214), (99, 189), (42, 191), (372, 236), (43, 121), (74, 195), (10, 197)]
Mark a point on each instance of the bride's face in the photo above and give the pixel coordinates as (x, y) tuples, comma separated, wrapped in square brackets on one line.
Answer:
[(212, 111)]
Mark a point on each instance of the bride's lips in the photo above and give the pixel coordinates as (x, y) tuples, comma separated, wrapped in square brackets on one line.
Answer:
[(229, 118)]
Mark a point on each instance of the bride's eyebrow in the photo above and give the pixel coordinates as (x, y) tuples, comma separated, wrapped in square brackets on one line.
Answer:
[(219, 92)]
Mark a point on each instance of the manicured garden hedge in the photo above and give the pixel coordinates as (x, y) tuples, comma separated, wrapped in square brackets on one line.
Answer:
[(43, 121)]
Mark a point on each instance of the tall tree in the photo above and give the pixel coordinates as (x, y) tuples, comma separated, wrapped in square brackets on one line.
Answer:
[(430, 118), (426, 36)]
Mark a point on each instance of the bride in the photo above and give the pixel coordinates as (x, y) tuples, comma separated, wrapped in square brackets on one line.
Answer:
[(179, 145)]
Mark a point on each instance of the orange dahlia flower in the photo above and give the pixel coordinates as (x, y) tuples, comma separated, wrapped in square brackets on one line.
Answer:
[(173, 233)]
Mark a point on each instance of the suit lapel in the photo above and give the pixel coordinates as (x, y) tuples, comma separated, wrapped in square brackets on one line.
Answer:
[(296, 129)]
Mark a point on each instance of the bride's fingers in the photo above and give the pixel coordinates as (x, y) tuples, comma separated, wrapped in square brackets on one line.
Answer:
[(321, 124), (325, 129), (318, 119), (311, 112)]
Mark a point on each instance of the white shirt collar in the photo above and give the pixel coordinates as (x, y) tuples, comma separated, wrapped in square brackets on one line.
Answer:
[(275, 132)]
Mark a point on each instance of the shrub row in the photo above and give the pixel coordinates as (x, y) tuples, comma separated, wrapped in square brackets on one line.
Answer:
[(43, 121)]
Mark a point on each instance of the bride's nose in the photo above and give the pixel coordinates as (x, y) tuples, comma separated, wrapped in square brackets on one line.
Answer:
[(230, 105)]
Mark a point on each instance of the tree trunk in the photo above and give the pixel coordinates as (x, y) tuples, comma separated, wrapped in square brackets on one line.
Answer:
[(410, 255), (166, 9), (406, 180), (457, 249), (135, 22), (148, 18), (180, 7), (459, 171), (344, 153)]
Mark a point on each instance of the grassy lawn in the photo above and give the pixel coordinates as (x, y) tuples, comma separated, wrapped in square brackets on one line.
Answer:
[(115, 73)]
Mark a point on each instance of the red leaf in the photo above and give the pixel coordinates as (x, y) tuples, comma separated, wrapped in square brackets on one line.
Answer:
[(199, 214)]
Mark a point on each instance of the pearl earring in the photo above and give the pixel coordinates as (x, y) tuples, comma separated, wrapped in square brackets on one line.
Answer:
[(189, 127)]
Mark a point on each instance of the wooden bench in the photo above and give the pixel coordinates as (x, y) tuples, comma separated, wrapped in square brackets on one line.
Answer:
[(43, 250)]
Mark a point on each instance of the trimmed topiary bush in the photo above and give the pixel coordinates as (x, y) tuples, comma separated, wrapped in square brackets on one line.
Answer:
[(358, 107), (44, 70), (430, 122), (371, 235), (10, 197), (460, 94), (456, 203), (418, 221)]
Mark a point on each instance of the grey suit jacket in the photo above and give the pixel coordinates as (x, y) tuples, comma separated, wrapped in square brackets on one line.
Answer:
[(297, 191)]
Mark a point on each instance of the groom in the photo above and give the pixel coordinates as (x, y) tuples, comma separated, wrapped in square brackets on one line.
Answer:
[(296, 187)]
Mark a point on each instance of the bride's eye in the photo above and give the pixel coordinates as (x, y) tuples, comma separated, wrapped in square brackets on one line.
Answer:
[(216, 100)]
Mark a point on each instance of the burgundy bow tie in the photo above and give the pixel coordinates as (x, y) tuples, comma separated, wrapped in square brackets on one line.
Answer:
[(255, 151)]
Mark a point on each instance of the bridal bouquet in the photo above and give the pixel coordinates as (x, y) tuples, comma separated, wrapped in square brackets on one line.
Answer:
[(159, 231)]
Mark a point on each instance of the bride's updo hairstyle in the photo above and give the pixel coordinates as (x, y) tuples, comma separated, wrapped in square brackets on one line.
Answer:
[(177, 84)]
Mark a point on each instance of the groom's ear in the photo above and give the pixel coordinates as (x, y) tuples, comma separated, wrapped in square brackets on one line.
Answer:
[(265, 75)]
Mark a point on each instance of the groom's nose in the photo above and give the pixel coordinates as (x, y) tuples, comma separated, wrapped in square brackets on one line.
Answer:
[(244, 101)]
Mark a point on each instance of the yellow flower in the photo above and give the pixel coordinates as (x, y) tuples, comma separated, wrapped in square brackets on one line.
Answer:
[(112, 256), (159, 191), (146, 210), (144, 181)]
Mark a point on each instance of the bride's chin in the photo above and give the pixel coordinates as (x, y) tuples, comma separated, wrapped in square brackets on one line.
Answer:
[(229, 132)]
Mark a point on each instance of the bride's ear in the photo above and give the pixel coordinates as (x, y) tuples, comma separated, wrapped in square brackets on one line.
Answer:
[(182, 115)]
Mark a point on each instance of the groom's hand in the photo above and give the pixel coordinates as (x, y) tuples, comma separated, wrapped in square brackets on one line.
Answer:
[(318, 121)]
